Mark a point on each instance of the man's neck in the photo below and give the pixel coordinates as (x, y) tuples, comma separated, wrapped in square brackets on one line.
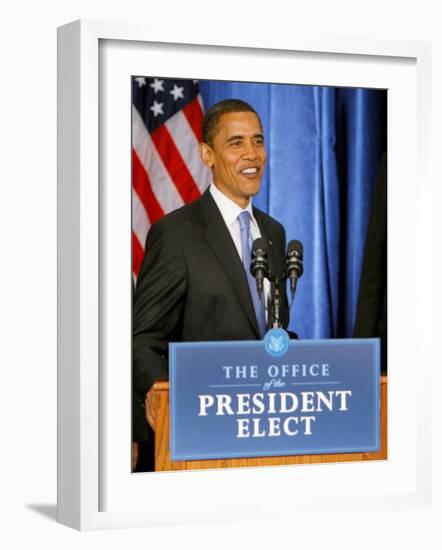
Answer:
[(242, 202)]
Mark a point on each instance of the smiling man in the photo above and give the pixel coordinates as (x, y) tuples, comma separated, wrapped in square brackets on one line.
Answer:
[(194, 284), (234, 149)]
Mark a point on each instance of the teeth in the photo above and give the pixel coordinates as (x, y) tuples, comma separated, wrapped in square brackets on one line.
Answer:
[(249, 171)]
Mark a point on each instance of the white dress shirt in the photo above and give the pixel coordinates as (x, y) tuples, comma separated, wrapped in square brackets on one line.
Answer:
[(230, 212)]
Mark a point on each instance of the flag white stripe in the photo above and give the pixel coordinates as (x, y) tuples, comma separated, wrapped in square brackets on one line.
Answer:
[(140, 219), (200, 101), (188, 146), (162, 185)]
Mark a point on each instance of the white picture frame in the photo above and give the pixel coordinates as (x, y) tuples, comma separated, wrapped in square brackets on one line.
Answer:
[(95, 487)]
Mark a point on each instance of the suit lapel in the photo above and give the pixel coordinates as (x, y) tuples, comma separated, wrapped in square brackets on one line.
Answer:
[(274, 259), (222, 245)]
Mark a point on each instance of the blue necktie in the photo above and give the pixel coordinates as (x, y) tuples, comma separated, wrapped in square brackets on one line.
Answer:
[(246, 241)]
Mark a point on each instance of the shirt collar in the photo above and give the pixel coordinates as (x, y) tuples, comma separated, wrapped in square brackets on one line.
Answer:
[(229, 209)]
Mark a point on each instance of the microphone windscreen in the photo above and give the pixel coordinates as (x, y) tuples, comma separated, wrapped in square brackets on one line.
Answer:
[(260, 244), (295, 246)]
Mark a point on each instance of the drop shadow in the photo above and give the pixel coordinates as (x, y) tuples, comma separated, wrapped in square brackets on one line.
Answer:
[(46, 510)]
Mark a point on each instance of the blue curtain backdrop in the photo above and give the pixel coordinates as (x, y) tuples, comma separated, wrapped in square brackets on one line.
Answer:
[(324, 146)]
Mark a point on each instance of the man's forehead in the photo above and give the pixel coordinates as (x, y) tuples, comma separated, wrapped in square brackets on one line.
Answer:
[(241, 123)]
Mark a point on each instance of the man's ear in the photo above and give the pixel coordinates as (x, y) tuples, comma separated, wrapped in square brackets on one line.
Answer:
[(206, 154)]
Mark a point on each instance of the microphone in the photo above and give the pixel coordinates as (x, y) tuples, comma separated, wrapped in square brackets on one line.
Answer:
[(293, 265), (259, 265)]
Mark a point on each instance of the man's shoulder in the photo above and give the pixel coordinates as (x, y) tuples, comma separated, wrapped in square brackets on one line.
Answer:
[(188, 211), (263, 218)]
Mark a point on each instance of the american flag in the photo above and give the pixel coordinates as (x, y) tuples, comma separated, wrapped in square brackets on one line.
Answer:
[(167, 171)]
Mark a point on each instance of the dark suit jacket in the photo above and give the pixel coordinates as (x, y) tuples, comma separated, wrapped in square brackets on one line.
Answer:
[(371, 314), (192, 286)]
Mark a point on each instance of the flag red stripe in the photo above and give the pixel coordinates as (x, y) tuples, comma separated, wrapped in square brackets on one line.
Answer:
[(175, 164), (137, 254), (142, 185), (194, 114)]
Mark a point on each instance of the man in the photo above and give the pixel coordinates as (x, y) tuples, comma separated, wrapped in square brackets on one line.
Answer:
[(193, 284)]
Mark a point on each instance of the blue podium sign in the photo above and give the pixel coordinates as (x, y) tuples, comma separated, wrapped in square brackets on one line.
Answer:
[(273, 397)]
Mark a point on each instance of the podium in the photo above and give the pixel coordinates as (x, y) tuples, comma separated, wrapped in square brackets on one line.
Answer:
[(157, 414)]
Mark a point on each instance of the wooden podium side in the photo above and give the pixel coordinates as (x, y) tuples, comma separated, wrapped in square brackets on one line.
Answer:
[(157, 414)]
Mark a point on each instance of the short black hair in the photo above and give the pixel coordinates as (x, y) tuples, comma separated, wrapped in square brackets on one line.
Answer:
[(211, 118)]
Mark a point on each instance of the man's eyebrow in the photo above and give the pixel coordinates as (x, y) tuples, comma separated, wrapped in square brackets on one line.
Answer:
[(239, 137)]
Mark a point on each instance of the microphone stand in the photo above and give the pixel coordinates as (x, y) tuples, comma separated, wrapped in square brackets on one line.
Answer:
[(276, 303), (259, 261), (275, 300)]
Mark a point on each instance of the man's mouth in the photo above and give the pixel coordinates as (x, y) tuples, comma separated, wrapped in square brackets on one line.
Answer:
[(249, 172)]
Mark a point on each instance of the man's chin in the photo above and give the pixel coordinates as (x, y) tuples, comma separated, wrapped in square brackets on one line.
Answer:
[(252, 188)]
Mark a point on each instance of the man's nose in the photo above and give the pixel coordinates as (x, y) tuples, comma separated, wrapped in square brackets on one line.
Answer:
[(250, 151)]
